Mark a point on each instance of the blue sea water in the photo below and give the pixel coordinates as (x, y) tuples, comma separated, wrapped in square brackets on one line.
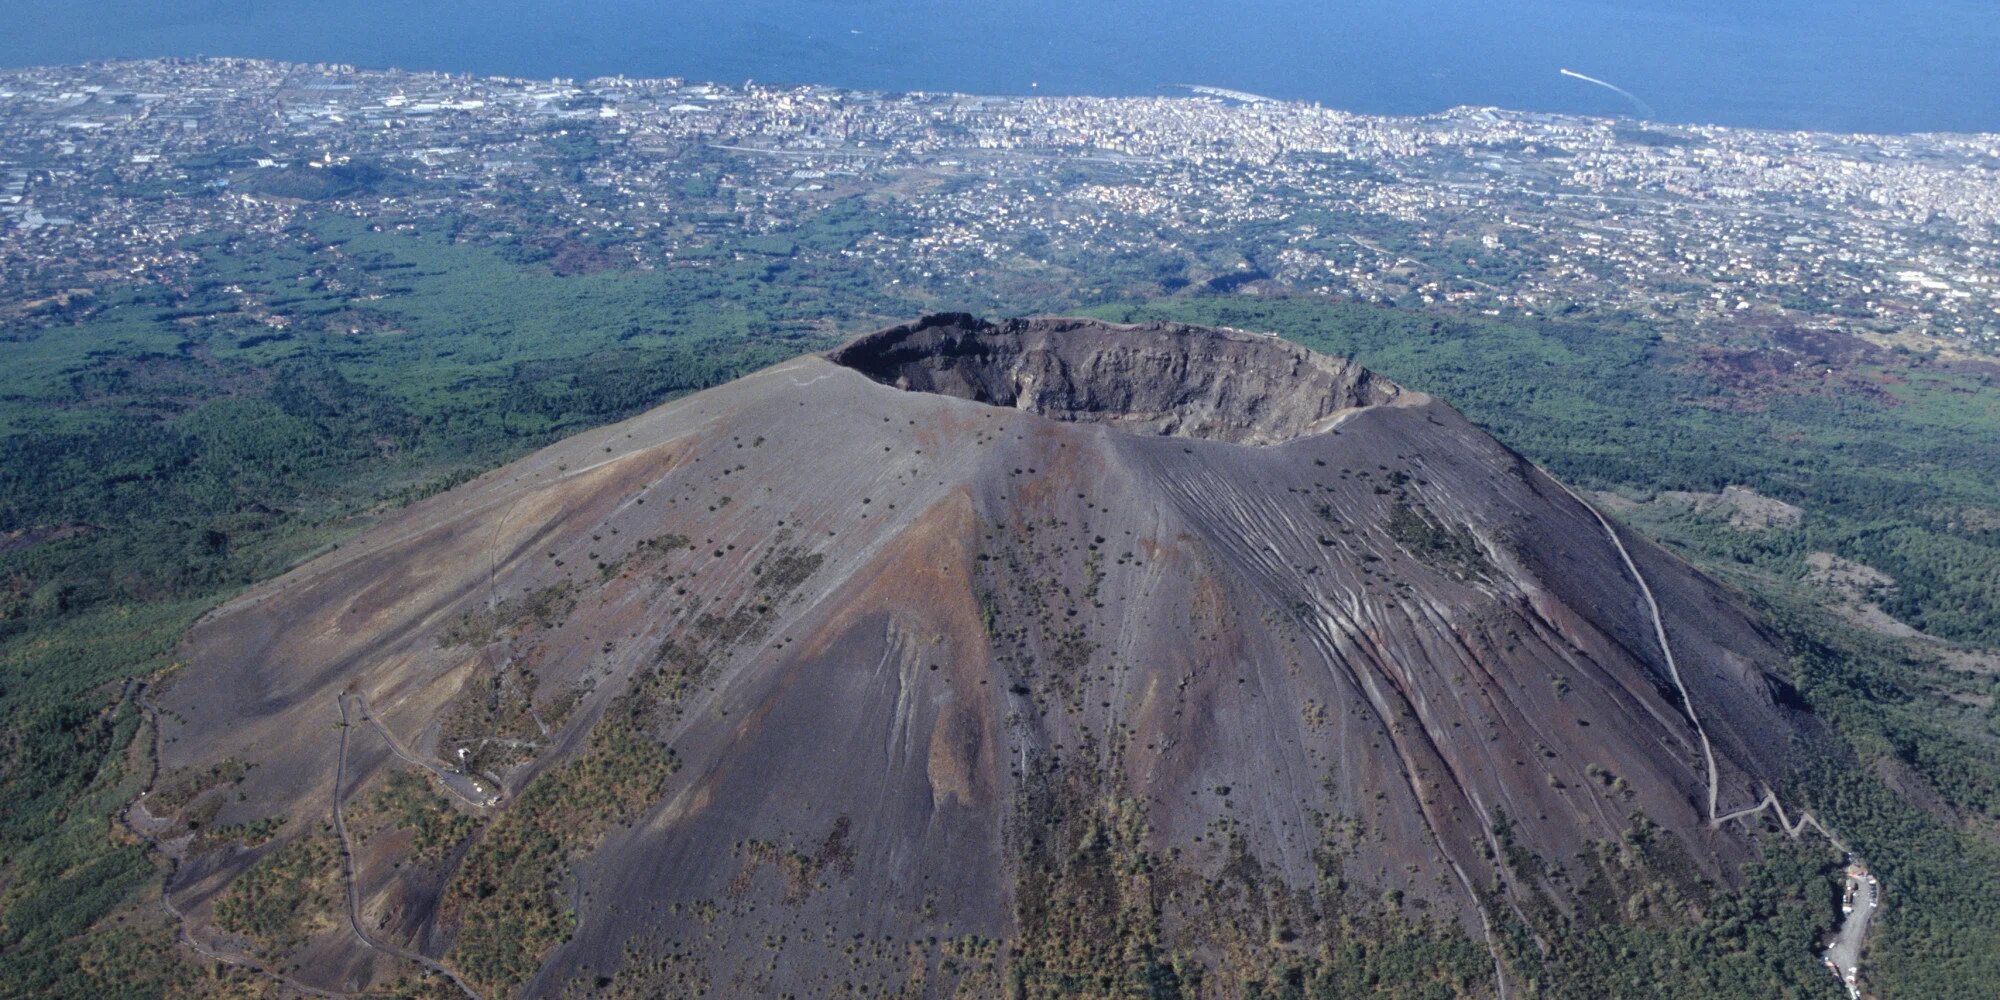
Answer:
[(1842, 65)]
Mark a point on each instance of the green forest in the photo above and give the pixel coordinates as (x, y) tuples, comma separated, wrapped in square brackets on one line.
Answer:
[(167, 446)]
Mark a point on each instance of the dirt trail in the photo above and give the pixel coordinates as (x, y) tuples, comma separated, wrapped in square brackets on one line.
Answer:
[(453, 781), (1716, 818), (347, 869), (184, 933), (1853, 934)]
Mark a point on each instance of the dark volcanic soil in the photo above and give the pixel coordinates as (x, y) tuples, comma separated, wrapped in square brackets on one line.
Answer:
[(962, 653)]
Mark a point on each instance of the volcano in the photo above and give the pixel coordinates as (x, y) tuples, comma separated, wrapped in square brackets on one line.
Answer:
[(1036, 657)]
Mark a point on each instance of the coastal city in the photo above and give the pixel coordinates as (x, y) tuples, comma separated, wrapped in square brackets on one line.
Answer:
[(107, 169)]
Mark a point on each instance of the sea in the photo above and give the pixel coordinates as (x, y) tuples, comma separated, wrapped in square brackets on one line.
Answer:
[(1824, 65)]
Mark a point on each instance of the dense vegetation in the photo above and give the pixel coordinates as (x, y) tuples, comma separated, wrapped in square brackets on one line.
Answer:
[(406, 801), (1649, 927), (324, 183), (166, 446), (286, 897)]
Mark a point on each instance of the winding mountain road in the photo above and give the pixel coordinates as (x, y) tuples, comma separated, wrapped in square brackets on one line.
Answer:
[(1716, 818), (184, 933), (467, 788), (347, 867), (1846, 950)]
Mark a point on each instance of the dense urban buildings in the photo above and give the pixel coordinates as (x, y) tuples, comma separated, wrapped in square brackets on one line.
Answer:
[(108, 168)]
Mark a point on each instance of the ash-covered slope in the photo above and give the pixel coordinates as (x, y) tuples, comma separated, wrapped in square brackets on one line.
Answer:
[(1038, 656)]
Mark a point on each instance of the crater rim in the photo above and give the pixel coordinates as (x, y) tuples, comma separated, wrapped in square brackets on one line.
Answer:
[(1150, 379)]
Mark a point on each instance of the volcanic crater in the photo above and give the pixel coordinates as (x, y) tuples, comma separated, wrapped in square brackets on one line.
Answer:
[(970, 659), (1182, 381)]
